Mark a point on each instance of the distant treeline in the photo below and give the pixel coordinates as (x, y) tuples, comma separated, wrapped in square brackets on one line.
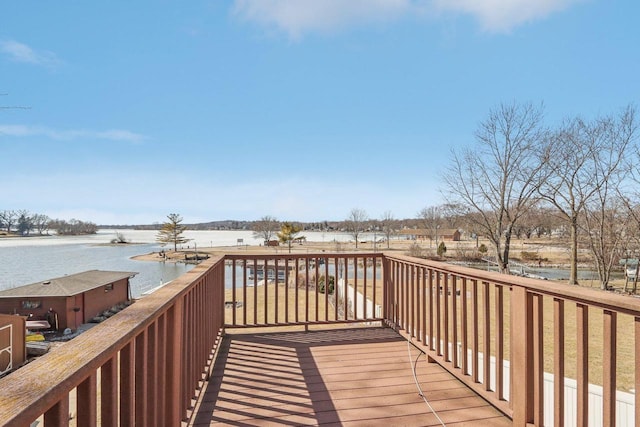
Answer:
[(24, 223)]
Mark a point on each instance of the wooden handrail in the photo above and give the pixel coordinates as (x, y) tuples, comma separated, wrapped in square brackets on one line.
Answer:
[(128, 339)]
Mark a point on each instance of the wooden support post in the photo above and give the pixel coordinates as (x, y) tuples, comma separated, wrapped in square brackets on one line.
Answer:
[(522, 363)]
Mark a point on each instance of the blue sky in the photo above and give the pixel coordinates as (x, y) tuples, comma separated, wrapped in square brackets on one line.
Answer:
[(299, 109)]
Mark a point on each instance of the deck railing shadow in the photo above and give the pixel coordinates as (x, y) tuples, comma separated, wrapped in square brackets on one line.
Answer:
[(260, 368)]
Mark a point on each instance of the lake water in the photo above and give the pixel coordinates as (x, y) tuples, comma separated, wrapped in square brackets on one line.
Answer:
[(28, 260), (34, 259)]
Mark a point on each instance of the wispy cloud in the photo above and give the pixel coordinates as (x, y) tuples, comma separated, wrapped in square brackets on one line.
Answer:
[(299, 17), (20, 52), (66, 135), (504, 15)]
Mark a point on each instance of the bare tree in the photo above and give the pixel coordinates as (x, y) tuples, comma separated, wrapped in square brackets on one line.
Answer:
[(541, 220), (605, 223), (631, 198), (41, 223), (355, 223), (266, 228), (431, 219), (387, 223), (73, 227), (450, 215), (8, 219), (581, 158), (498, 180)]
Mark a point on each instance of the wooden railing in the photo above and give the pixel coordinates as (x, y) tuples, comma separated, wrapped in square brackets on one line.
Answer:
[(474, 322), (147, 360), (277, 290), (498, 334)]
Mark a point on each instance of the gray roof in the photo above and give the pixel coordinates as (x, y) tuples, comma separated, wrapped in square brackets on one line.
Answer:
[(70, 285)]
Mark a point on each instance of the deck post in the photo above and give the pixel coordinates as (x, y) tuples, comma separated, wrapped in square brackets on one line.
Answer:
[(522, 381)]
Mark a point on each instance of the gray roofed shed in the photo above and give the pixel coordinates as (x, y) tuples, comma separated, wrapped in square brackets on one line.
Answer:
[(70, 285)]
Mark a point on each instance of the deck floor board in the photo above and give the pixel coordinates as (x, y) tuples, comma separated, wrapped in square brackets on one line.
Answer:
[(350, 377)]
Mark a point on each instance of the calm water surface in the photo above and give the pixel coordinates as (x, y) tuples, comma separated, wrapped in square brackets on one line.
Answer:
[(33, 259)]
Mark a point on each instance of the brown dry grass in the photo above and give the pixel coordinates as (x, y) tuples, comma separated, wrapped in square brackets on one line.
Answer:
[(625, 369), (267, 311)]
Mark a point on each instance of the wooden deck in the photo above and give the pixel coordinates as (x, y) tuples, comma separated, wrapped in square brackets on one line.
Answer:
[(350, 377)]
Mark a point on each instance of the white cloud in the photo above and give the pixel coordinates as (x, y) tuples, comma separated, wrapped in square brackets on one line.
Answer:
[(298, 17), (20, 52), (110, 135), (503, 15)]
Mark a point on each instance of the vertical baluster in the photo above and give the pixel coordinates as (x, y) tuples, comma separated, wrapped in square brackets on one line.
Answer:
[(465, 327), (558, 362), (412, 285), (454, 319), (400, 284), (276, 293), (244, 291), (255, 291), (397, 292), (447, 298), (286, 290), (265, 279), (233, 292), (438, 307), (306, 292), (109, 393), (336, 266), (538, 359), (296, 292), (499, 313), (141, 377), (432, 314), (365, 269), (374, 286), (177, 409), (486, 337), (355, 287), (161, 383), (406, 316), (475, 334), (418, 302), (127, 385), (326, 289), (86, 402), (425, 312), (582, 338), (317, 300), (609, 368), (346, 292), (58, 415), (187, 353), (151, 372)]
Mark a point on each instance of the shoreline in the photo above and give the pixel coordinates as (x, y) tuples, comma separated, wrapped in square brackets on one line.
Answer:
[(553, 254)]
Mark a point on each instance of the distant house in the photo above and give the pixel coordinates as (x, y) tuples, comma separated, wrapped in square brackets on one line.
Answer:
[(13, 352), (446, 234), (72, 300)]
